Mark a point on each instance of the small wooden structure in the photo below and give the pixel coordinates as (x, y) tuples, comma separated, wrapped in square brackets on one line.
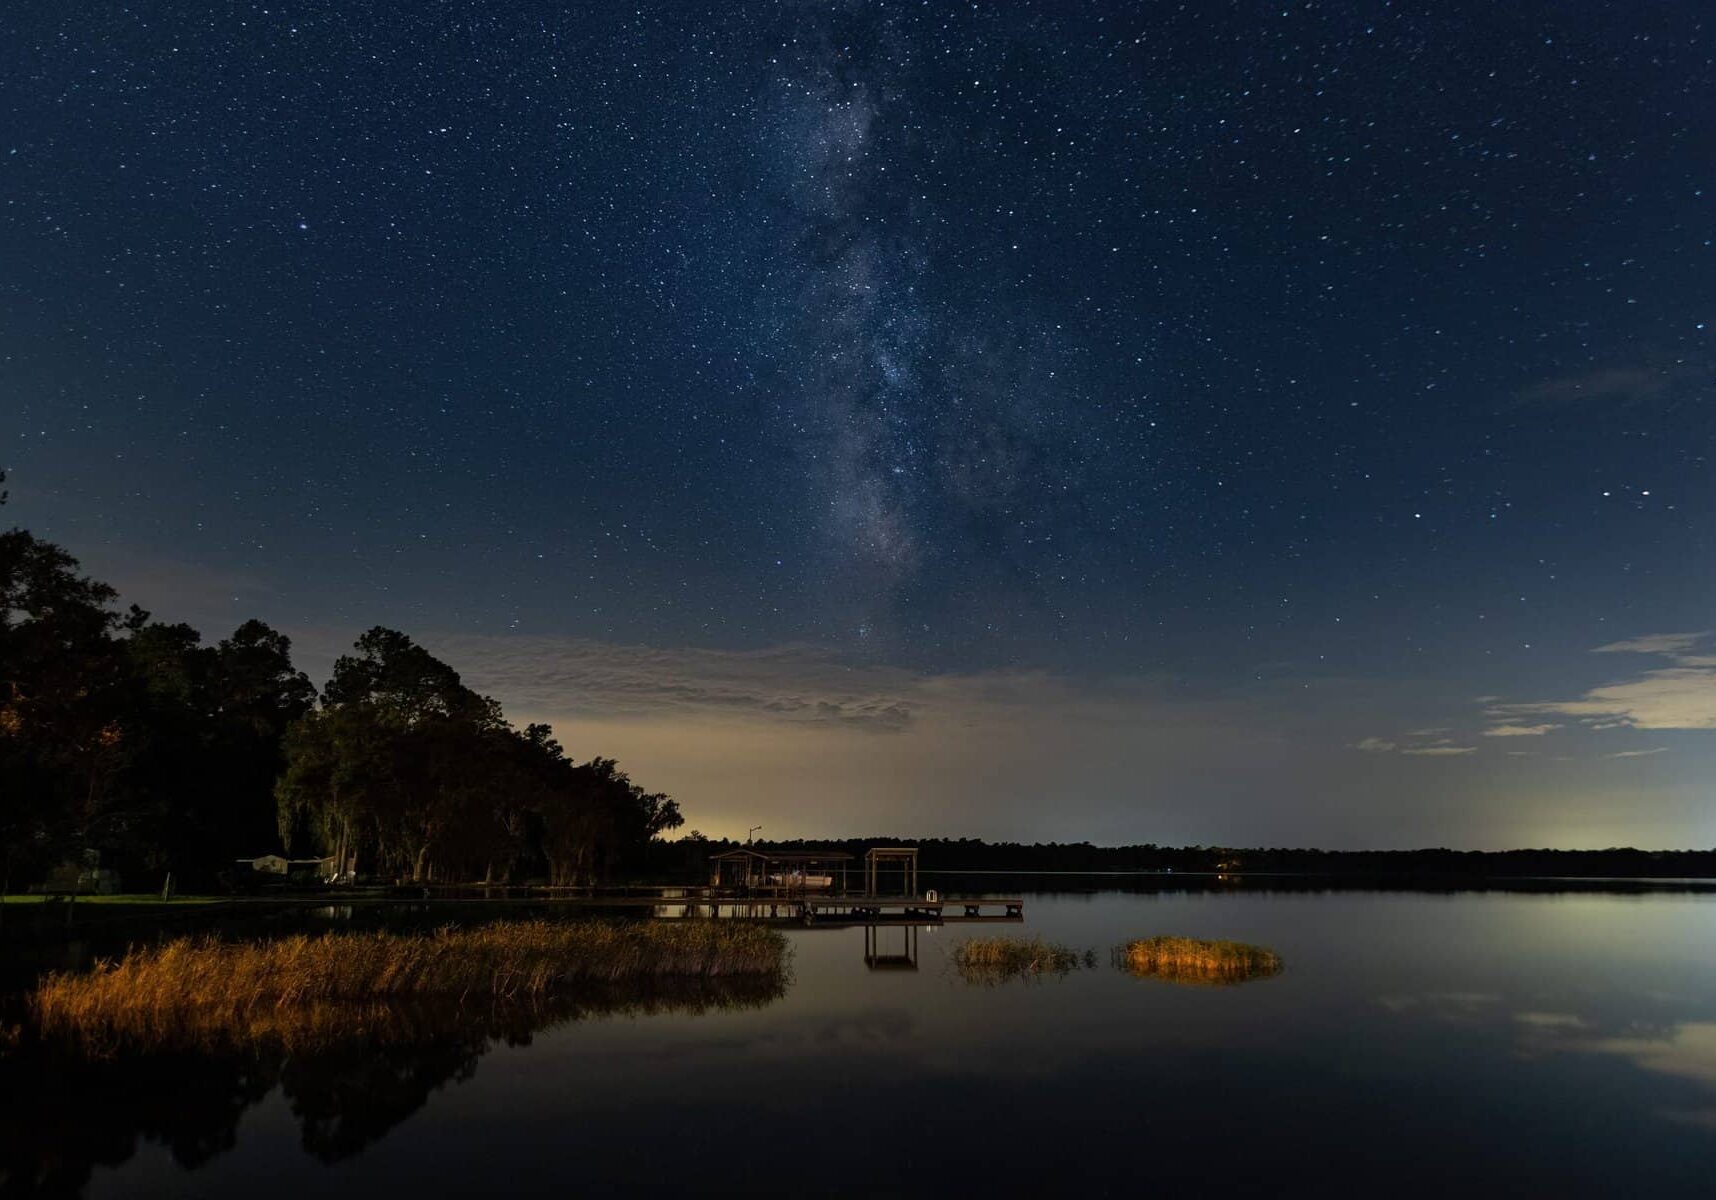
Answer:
[(784, 872), (891, 871)]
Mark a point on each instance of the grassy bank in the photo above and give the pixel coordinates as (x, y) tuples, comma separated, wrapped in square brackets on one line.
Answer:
[(990, 959), (204, 989), (122, 899), (1193, 960)]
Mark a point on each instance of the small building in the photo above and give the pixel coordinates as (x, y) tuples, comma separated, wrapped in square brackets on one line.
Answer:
[(783, 871), (278, 864)]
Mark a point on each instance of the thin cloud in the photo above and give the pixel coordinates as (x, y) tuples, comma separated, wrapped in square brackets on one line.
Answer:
[(1670, 698), (1682, 696), (793, 685), (1614, 385), (1519, 730), (1637, 753), (1442, 747), (1672, 644)]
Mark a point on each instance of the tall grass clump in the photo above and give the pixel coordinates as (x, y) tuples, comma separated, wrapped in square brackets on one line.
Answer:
[(204, 989), (1194, 960), (993, 959)]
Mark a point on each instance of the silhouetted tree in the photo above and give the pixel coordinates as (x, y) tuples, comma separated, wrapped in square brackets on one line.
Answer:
[(131, 739), (207, 741), (128, 738), (405, 765), (64, 689)]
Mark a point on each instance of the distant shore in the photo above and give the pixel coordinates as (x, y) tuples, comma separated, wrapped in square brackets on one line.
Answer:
[(119, 918)]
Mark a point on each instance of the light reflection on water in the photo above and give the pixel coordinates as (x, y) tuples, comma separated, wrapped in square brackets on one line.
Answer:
[(1422, 1044)]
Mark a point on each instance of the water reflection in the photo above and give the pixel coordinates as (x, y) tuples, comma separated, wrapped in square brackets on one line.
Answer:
[(351, 1076), (1686, 1051), (1471, 1044), (891, 947), (1644, 1037)]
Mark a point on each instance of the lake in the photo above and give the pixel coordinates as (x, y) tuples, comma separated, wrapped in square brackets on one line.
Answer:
[(1486, 1043)]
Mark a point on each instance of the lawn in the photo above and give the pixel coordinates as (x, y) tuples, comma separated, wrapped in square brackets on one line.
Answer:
[(133, 898)]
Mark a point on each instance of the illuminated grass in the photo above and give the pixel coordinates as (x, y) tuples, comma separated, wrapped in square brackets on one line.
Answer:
[(304, 987), (1193, 960), (992, 959)]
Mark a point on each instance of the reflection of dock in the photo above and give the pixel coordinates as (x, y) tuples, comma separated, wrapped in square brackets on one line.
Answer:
[(879, 944)]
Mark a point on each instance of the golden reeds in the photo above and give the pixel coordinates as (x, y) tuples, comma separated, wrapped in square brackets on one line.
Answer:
[(992, 959), (1194, 960), (204, 989)]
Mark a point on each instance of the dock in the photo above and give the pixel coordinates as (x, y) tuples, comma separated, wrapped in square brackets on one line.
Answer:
[(843, 910), (772, 905), (810, 887), (779, 887)]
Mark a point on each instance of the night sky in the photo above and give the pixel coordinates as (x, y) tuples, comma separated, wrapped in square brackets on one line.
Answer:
[(1218, 423)]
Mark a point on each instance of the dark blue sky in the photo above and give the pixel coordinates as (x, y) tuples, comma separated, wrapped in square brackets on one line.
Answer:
[(1340, 370)]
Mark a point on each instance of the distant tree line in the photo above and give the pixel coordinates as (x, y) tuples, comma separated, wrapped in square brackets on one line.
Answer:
[(129, 741), (976, 855)]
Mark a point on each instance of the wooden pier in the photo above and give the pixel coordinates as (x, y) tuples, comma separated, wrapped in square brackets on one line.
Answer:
[(784, 887), (782, 905), (837, 909)]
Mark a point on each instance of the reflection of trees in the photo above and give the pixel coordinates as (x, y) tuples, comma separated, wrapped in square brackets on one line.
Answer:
[(68, 1115), (353, 1095), (349, 1092), (348, 1083)]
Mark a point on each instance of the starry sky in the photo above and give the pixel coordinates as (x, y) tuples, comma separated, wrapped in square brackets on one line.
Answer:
[(1224, 423)]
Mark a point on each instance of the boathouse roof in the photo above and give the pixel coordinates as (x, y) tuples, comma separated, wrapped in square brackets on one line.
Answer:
[(785, 856)]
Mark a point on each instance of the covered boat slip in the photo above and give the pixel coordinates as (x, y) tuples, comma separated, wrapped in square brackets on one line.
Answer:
[(779, 872)]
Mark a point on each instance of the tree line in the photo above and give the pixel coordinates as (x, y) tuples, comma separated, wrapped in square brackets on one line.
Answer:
[(403, 765), (977, 856), (133, 743)]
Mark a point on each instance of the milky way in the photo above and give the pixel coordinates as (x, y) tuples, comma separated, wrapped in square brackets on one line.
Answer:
[(1253, 345)]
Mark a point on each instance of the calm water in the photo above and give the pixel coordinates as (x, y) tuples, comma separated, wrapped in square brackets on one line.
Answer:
[(1489, 1044)]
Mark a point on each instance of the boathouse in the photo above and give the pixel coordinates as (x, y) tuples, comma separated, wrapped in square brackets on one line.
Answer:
[(783, 872)]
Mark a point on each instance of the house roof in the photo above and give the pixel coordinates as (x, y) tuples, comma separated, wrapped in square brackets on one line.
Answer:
[(785, 856)]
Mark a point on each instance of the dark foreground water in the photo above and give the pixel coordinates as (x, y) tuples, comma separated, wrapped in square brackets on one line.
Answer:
[(1476, 1044)]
